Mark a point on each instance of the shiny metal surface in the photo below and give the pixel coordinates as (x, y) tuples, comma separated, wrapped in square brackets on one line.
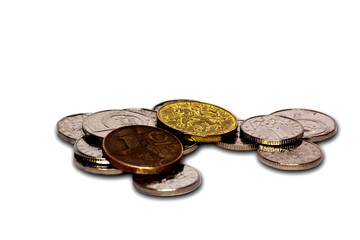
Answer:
[(86, 152), (96, 168), (158, 106), (69, 128)]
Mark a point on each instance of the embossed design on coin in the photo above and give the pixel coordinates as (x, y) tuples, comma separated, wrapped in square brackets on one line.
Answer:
[(158, 106), (271, 130), (306, 156), (201, 122), (96, 168), (89, 153), (318, 126), (182, 180), (101, 123), (142, 149), (233, 141), (69, 128)]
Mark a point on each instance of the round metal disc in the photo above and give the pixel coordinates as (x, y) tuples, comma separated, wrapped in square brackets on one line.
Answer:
[(96, 168), (69, 128)]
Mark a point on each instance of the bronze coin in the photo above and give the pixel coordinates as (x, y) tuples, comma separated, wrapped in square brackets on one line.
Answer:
[(141, 149)]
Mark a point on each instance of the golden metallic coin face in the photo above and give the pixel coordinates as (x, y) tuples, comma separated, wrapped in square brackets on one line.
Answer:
[(199, 121), (142, 149)]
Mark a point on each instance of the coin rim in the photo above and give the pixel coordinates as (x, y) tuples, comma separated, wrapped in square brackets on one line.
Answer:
[(64, 137), (96, 168)]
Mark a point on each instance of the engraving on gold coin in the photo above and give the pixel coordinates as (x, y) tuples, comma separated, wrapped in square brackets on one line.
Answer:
[(199, 121), (233, 141), (158, 106), (96, 168), (69, 128), (89, 153), (318, 126), (271, 130), (142, 149), (305, 156), (182, 180)]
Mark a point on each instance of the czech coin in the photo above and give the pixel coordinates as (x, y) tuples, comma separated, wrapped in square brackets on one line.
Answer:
[(86, 152), (69, 128), (271, 130), (198, 121), (101, 123), (305, 156), (318, 126), (158, 106), (96, 168), (142, 149), (181, 180), (233, 141)]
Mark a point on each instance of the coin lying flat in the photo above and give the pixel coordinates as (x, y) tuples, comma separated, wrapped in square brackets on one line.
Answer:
[(158, 106), (318, 126), (181, 180), (307, 155), (271, 130), (100, 169), (69, 128), (101, 123), (233, 141), (86, 152), (198, 121), (142, 149)]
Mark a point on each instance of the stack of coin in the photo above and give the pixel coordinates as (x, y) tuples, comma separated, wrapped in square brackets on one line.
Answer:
[(150, 144)]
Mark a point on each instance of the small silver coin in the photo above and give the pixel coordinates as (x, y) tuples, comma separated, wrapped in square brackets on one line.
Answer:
[(86, 152), (182, 180), (318, 126), (94, 168), (69, 128)]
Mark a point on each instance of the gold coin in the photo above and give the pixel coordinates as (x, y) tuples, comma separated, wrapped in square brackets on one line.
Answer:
[(198, 121)]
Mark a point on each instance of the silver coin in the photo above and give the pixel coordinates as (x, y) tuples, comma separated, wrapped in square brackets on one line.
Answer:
[(69, 128), (99, 124), (96, 168), (233, 141), (158, 106), (86, 152), (307, 155), (271, 130), (318, 126), (181, 180)]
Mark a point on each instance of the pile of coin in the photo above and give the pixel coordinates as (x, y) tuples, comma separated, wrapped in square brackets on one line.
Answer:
[(150, 143)]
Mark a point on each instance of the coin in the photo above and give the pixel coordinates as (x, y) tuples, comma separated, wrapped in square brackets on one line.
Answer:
[(86, 152), (233, 141), (271, 130), (101, 123), (306, 156), (142, 149), (69, 128), (96, 168), (198, 121), (182, 180), (158, 106), (318, 126), (189, 147)]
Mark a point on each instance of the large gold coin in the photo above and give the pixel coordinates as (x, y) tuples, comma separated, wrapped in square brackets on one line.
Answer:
[(142, 149), (198, 121)]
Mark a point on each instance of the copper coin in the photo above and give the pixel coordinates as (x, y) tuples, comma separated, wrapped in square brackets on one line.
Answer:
[(69, 128), (318, 126), (271, 130), (142, 149), (305, 156)]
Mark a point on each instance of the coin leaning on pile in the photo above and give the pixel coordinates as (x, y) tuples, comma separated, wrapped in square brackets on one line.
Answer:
[(150, 143)]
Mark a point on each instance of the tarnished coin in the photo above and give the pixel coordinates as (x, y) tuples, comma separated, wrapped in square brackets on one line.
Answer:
[(182, 180), (189, 147), (198, 121), (101, 123), (305, 156), (86, 152), (233, 141), (158, 106), (318, 126), (69, 128), (96, 168), (142, 149), (271, 130)]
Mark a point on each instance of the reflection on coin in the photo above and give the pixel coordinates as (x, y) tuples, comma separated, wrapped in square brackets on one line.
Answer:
[(271, 130), (96, 168), (182, 180), (189, 147), (142, 149), (101, 123), (198, 121), (158, 106), (306, 156), (280, 148), (233, 141), (69, 128), (318, 126), (89, 153)]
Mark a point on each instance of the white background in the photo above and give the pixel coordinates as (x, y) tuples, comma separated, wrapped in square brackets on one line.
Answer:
[(251, 57)]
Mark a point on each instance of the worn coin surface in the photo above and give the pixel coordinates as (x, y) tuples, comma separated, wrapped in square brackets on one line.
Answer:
[(306, 156), (271, 130), (94, 168), (142, 149), (86, 152), (318, 126), (233, 141), (101, 123), (181, 180), (69, 128), (198, 121)]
